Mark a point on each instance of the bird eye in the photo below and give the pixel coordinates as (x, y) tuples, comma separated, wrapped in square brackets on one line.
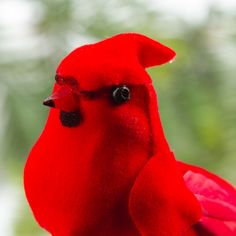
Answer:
[(121, 94), (70, 81), (60, 80)]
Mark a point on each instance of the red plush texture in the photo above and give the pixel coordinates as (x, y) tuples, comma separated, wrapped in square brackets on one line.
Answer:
[(105, 169), (217, 199)]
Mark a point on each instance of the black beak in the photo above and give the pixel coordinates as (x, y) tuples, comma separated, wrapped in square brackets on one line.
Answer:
[(49, 102)]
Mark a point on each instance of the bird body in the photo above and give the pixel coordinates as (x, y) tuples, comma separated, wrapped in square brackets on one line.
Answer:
[(102, 165)]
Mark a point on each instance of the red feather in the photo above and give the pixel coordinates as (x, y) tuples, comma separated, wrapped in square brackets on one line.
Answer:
[(217, 199), (102, 167)]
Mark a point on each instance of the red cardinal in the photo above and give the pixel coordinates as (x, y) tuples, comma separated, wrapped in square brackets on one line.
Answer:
[(102, 165)]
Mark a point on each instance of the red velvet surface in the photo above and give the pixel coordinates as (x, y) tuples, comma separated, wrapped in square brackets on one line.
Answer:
[(113, 174), (217, 199)]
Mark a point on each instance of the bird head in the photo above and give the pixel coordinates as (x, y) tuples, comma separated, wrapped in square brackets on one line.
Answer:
[(102, 128), (106, 83)]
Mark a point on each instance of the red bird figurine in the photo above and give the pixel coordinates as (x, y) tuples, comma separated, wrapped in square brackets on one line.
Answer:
[(102, 165)]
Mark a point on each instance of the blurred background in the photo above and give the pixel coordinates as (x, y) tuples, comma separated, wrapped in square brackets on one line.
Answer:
[(196, 93)]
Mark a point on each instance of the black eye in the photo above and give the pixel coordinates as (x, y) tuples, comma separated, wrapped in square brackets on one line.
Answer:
[(60, 80), (121, 94)]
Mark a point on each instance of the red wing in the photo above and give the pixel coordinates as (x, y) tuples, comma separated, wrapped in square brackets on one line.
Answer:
[(217, 199), (160, 203)]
